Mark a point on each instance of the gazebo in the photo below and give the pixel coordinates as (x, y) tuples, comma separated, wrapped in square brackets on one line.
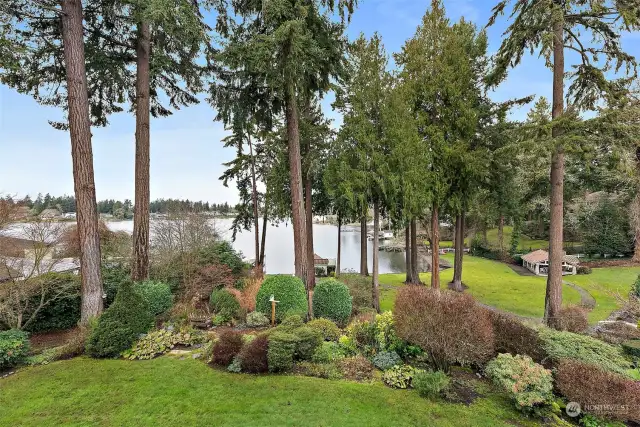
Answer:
[(323, 266), (538, 263)]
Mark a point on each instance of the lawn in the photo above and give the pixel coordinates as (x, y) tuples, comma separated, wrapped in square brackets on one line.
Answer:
[(602, 284), (171, 392), (492, 283)]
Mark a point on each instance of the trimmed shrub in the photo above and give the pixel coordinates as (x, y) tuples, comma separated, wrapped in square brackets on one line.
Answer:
[(566, 345), (319, 370), (598, 392), (157, 295), (328, 352), (529, 384), (386, 360), (331, 300), (227, 347), (14, 347), (255, 319), (288, 290), (224, 304), (431, 384), (253, 355), (282, 348), (356, 368), (221, 252), (583, 269), (632, 348), (635, 288), (514, 337), (572, 319), (449, 326), (328, 329), (290, 323), (121, 324), (399, 376), (308, 341), (360, 291)]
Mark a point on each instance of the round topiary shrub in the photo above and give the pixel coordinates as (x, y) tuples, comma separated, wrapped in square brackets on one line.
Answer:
[(224, 303), (308, 340), (288, 290), (120, 325), (282, 347), (255, 319), (331, 300), (328, 329), (157, 295)]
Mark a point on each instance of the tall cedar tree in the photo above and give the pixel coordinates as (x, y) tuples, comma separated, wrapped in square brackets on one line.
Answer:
[(291, 49), (592, 30), (25, 27)]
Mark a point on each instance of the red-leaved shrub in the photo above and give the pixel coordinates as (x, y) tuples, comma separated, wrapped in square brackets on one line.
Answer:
[(514, 337), (572, 319), (253, 356), (598, 392), (449, 326), (227, 347)]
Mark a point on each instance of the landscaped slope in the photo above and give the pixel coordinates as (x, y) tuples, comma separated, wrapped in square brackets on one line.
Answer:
[(170, 392)]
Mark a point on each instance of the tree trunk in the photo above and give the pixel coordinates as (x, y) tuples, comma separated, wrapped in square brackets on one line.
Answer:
[(254, 196), (635, 211), (435, 248), (364, 268), (298, 218), (376, 243), (308, 204), (339, 245), (82, 157), (140, 268), (407, 254), (501, 233), (553, 297), (456, 284), (415, 273), (264, 233)]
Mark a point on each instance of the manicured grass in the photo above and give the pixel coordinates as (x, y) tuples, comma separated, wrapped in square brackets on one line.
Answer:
[(170, 392), (602, 284), (492, 283)]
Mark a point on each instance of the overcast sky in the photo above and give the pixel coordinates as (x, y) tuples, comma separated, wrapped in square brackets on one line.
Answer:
[(186, 148)]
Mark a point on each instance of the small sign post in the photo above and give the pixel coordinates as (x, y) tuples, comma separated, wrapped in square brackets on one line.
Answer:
[(273, 310)]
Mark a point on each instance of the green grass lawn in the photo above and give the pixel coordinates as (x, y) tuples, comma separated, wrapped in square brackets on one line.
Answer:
[(604, 282), (170, 392), (492, 283)]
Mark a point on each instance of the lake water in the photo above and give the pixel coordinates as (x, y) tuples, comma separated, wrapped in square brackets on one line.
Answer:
[(279, 254)]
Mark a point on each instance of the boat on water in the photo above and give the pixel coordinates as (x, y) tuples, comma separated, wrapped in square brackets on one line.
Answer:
[(383, 235)]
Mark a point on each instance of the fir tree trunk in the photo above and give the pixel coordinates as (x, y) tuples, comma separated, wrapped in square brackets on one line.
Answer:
[(553, 297), (364, 268), (339, 245), (435, 248), (254, 196), (376, 243), (265, 221), (298, 218), (308, 204), (456, 284), (635, 211), (407, 254), (140, 268), (501, 233), (415, 273), (82, 159)]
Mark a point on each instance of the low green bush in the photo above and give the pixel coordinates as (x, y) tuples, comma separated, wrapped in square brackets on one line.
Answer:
[(566, 345), (431, 384), (282, 348), (224, 304), (288, 290), (331, 300), (583, 269), (635, 288), (319, 370), (157, 295), (328, 329), (386, 360), (290, 323), (255, 319), (399, 376), (120, 325), (529, 384), (161, 341), (235, 366), (632, 347), (308, 341), (14, 347), (328, 352)]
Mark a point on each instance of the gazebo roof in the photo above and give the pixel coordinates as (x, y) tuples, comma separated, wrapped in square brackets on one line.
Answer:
[(318, 260), (542, 256)]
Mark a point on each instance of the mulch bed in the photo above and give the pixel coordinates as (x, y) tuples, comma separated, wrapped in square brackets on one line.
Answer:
[(44, 340)]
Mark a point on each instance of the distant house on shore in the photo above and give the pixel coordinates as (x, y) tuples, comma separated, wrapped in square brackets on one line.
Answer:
[(50, 213), (538, 263), (323, 266)]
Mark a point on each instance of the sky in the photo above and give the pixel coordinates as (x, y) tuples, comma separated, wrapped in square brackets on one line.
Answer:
[(186, 148)]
